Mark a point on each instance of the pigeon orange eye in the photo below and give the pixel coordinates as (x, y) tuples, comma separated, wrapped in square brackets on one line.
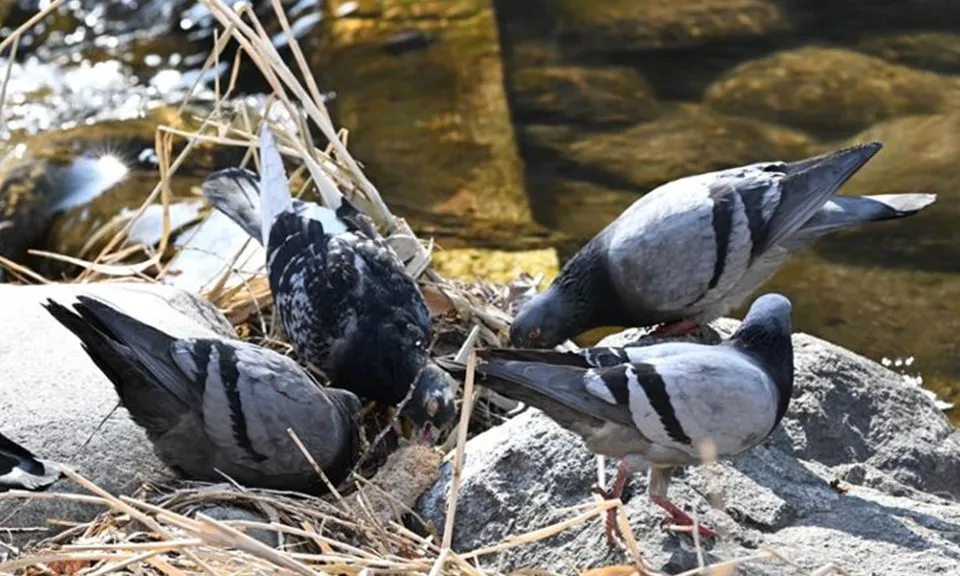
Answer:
[(534, 334)]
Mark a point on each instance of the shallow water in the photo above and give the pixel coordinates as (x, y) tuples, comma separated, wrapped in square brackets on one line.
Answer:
[(604, 102)]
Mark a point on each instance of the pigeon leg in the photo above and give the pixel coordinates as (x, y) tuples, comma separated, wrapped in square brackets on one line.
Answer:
[(678, 328), (619, 482), (679, 517)]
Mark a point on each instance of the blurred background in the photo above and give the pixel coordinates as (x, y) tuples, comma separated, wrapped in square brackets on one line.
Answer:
[(514, 130)]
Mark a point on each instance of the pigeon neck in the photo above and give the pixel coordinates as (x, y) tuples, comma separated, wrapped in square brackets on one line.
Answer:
[(589, 296), (772, 349)]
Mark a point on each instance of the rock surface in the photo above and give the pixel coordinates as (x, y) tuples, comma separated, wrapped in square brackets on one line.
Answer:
[(892, 457), (828, 90), (215, 247), (57, 403)]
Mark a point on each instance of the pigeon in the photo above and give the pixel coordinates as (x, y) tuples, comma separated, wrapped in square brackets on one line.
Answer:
[(21, 470), (693, 249), (342, 295), (215, 407), (656, 405)]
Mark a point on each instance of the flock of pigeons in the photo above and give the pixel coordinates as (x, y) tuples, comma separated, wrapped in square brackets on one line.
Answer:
[(679, 257)]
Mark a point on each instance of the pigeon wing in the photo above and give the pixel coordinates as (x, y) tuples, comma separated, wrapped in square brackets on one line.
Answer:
[(804, 188), (252, 396)]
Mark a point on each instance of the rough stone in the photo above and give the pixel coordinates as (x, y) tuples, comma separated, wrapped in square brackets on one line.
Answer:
[(830, 91), (57, 403), (860, 474), (937, 51), (626, 25)]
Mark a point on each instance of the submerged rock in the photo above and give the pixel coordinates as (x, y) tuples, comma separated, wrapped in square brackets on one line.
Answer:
[(627, 25), (920, 154), (57, 403), (586, 95), (861, 473), (74, 188), (431, 121), (937, 51), (829, 90), (689, 140), (882, 14)]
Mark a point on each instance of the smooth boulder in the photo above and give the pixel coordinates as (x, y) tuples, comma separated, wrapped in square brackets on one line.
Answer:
[(58, 404), (862, 473)]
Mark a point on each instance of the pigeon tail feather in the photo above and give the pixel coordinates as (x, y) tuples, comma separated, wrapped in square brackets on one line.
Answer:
[(20, 469), (849, 211), (274, 188), (135, 358), (560, 391), (807, 185), (236, 193)]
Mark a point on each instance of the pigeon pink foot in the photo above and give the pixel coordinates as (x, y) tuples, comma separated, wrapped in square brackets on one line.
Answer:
[(680, 518)]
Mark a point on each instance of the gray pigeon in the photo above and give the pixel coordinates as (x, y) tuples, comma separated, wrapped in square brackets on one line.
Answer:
[(211, 405), (342, 295), (691, 250), (655, 405), (21, 470)]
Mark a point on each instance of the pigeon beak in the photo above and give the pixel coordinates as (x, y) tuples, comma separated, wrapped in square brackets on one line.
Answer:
[(835, 168), (429, 434)]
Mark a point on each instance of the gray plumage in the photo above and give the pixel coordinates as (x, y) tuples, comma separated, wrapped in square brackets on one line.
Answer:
[(211, 405), (21, 470), (342, 295), (655, 405), (692, 249)]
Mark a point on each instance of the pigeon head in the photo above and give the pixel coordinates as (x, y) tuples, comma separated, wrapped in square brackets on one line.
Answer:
[(764, 335), (432, 405), (541, 322)]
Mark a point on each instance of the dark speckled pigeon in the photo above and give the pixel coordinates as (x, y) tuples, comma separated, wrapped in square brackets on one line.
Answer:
[(655, 405), (21, 470), (692, 249), (209, 405), (343, 296)]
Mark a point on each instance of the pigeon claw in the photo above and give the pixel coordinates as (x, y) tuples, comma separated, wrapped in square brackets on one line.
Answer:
[(678, 517), (610, 525)]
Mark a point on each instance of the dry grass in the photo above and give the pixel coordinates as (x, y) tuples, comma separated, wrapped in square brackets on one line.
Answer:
[(163, 530)]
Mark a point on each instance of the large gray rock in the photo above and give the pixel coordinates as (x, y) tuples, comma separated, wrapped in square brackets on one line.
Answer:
[(55, 401), (892, 455)]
